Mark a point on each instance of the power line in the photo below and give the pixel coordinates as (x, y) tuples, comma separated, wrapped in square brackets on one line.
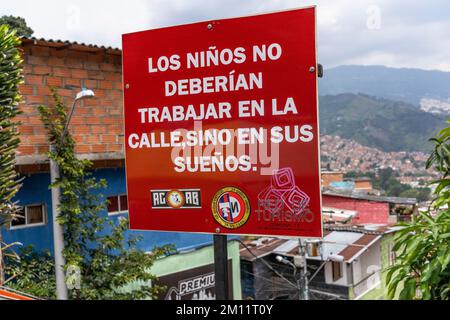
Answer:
[(267, 264)]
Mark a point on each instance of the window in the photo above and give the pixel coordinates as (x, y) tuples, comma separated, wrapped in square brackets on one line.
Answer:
[(29, 216), (337, 272), (117, 204)]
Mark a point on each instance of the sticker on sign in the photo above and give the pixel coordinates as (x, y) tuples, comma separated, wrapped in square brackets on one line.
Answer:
[(221, 126)]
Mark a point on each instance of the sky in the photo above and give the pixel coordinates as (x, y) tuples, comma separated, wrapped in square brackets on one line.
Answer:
[(394, 33)]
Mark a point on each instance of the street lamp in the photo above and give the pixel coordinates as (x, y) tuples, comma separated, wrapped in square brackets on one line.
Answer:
[(58, 233), (83, 94)]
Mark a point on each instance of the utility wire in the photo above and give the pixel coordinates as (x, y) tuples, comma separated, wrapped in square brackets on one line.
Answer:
[(267, 264)]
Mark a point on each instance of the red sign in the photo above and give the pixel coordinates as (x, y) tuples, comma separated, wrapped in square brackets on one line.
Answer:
[(221, 127)]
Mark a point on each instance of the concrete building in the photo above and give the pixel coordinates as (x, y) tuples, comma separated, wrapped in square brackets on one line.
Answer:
[(371, 209), (365, 251), (189, 275)]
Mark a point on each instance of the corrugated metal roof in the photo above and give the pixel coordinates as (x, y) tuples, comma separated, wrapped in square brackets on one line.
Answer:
[(10, 294), (336, 242), (349, 241), (330, 214), (394, 200), (259, 249), (70, 44), (370, 228), (288, 246), (352, 251)]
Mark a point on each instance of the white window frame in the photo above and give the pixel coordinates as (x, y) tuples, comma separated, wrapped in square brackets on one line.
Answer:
[(116, 213), (31, 225)]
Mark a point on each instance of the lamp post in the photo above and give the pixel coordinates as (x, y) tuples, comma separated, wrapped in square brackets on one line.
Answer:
[(58, 232)]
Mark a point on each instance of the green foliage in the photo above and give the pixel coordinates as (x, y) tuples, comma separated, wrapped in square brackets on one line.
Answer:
[(421, 194), (34, 273), (17, 23), (10, 79), (383, 124), (386, 181), (358, 174), (94, 244), (422, 267)]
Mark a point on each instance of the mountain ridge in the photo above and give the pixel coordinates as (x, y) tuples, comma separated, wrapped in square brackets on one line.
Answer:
[(409, 85), (378, 122)]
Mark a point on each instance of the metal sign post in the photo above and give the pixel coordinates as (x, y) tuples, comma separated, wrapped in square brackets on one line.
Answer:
[(221, 267)]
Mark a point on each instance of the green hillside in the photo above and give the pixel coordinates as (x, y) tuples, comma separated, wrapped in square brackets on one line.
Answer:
[(384, 124)]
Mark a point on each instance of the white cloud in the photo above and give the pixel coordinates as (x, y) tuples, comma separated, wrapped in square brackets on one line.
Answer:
[(398, 33)]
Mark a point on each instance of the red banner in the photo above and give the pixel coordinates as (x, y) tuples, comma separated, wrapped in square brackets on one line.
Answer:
[(221, 126)]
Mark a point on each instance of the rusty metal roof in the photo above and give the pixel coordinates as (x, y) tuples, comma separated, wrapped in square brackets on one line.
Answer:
[(357, 247), (358, 196), (260, 250), (11, 294), (376, 229), (62, 44), (349, 241)]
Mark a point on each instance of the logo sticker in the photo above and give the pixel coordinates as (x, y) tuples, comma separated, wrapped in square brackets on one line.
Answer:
[(176, 199), (231, 207)]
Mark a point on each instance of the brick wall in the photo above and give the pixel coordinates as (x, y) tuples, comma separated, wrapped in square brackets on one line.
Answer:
[(97, 124), (368, 211)]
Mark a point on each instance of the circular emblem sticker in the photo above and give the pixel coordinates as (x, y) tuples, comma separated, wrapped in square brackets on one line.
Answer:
[(231, 207), (175, 199)]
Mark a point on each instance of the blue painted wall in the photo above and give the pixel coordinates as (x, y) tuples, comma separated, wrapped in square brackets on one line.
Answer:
[(35, 191)]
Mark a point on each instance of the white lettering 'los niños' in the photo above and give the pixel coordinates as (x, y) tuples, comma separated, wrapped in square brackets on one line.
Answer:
[(215, 57)]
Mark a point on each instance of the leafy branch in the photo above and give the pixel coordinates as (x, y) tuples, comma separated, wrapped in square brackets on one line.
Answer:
[(10, 79), (422, 267), (95, 245)]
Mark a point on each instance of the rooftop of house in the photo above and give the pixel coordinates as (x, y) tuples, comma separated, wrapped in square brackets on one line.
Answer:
[(64, 44), (348, 241), (11, 294), (362, 196), (337, 215)]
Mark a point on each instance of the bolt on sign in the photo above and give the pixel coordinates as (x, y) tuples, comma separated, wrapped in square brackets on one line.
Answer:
[(221, 126)]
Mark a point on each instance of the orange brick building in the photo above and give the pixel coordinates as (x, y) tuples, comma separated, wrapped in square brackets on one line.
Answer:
[(97, 124)]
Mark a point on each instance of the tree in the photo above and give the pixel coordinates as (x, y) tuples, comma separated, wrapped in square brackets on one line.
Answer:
[(19, 24), (421, 194), (10, 79), (422, 266), (103, 259)]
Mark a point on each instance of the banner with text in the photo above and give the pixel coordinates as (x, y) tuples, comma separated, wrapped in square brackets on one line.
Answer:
[(221, 126)]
